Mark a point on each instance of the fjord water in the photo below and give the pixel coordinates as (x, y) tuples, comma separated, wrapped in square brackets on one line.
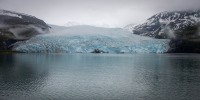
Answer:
[(104, 76)]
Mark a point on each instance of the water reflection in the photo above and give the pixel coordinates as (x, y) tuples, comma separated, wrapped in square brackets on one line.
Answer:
[(21, 74), (175, 77), (90, 76)]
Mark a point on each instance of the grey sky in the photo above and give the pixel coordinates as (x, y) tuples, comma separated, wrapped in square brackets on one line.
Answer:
[(96, 12)]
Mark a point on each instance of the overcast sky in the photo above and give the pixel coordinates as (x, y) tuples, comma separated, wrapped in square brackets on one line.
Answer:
[(117, 13)]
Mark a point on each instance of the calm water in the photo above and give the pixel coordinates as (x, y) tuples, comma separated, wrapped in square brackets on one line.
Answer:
[(90, 76)]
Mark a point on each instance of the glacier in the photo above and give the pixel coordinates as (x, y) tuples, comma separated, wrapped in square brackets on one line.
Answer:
[(87, 39)]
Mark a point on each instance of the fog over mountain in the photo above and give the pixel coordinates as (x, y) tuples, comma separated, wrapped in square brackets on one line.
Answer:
[(115, 13)]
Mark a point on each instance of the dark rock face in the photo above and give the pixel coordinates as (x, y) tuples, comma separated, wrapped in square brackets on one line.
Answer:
[(17, 27), (98, 51), (7, 44), (184, 46), (187, 41), (177, 21)]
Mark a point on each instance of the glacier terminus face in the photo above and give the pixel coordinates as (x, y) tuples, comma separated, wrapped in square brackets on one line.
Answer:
[(89, 39)]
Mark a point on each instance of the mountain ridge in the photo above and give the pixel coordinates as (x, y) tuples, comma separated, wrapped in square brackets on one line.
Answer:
[(18, 27), (177, 21)]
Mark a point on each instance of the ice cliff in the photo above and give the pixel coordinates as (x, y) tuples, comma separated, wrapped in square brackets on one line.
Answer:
[(89, 39)]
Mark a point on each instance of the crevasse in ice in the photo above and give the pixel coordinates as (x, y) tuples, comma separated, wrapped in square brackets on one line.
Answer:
[(87, 39)]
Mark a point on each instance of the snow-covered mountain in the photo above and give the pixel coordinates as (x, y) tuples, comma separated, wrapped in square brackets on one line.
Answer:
[(17, 26), (180, 22), (71, 23), (90, 39), (21, 25)]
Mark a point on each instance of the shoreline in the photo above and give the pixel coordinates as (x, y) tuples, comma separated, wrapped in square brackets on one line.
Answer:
[(9, 52)]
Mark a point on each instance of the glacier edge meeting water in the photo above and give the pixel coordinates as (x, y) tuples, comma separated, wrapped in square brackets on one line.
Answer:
[(87, 39)]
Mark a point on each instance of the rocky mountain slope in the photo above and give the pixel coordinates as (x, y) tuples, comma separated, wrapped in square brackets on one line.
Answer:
[(182, 27), (17, 26), (181, 23)]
